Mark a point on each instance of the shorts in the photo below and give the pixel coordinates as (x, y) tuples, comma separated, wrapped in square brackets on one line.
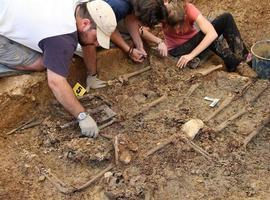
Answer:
[(13, 54)]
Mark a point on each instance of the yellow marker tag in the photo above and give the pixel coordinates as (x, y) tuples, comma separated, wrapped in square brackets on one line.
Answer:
[(79, 90)]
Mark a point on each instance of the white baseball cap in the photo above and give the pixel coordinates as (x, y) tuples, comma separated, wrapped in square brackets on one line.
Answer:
[(104, 17)]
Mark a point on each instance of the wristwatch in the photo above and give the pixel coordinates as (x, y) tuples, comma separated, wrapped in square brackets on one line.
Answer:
[(81, 116)]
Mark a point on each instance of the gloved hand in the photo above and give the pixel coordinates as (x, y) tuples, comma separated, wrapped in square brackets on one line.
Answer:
[(89, 127), (94, 83)]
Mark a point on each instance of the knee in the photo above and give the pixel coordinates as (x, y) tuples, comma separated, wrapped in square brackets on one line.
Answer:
[(37, 65), (228, 16)]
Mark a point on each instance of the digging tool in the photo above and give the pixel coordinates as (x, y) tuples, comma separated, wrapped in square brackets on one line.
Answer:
[(214, 101)]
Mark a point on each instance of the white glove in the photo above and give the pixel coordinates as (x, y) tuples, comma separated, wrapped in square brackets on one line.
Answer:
[(94, 83), (89, 127)]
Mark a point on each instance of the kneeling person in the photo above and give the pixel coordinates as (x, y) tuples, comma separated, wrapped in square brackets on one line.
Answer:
[(34, 40)]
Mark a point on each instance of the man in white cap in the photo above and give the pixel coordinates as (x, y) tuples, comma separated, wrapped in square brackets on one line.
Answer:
[(37, 35)]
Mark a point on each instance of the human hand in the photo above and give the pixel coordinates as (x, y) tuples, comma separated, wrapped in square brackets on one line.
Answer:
[(183, 60), (137, 55), (88, 127), (162, 48), (94, 83), (143, 52)]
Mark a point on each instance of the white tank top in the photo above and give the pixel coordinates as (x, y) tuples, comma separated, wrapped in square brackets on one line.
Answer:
[(29, 21)]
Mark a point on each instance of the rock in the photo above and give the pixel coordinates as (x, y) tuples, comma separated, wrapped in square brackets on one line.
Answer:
[(192, 127), (108, 176), (139, 98), (41, 178), (150, 94), (125, 157)]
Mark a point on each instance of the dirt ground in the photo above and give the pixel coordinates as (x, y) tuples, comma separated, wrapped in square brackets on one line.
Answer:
[(32, 159)]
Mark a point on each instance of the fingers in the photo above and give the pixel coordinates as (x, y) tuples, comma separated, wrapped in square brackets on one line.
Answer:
[(94, 83), (95, 133), (87, 88), (163, 51), (182, 62), (101, 84), (92, 133), (138, 56)]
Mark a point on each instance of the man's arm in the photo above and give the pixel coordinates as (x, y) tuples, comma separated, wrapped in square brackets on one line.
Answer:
[(90, 58), (133, 24), (64, 93)]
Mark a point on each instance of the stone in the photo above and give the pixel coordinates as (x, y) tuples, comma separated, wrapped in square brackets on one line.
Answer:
[(192, 127), (125, 157), (41, 178)]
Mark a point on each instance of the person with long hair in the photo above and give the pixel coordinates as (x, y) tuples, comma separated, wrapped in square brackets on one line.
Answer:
[(184, 41)]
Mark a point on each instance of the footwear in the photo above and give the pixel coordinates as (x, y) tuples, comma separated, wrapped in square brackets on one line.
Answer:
[(194, 63), (245, 70)]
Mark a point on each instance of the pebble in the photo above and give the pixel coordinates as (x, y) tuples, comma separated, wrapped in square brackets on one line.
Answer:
[(226, 173), (125, 157), (41, 178)]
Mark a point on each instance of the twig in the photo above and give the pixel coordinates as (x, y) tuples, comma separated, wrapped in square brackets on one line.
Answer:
[(228, 121), (246, 87), (147, 106), (31, 125), (255, 98), (256, 131), (209, 70), (203, 72), (66, 125), (89, 96), (21, 126), (161, 145), (198, 149), (107, 124), (100, 174), (241, 112), (116, 149), (187, 141), (60, 185), (125, 77), (224, 104), (188, 94)]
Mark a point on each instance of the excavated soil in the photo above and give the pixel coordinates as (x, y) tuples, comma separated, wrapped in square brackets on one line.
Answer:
[(224, 169)]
